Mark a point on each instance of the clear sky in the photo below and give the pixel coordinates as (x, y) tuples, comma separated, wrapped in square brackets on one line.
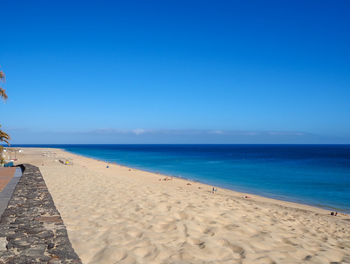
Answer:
[(176, 71)]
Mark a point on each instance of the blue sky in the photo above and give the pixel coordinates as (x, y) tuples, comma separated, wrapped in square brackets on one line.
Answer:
[(176, 71)]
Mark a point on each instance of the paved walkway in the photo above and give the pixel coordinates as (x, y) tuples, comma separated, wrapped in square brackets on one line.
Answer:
[(6, 175), (9, 178), (31, 228)]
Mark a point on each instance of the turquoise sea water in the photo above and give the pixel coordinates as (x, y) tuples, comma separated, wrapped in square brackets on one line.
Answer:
[(318, 175)]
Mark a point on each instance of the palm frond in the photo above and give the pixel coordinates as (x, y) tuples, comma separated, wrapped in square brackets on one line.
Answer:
[(4, 137), (3, 94)]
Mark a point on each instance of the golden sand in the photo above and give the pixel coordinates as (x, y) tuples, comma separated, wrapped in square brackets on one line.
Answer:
[(123, 215)]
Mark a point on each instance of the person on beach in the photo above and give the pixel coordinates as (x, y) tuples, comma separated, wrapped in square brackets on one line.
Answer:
[(334, 213)]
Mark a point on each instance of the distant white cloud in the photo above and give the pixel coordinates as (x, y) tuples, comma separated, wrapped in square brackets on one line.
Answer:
[(285, 133), (169, 136), (217, 132), (138, 131)]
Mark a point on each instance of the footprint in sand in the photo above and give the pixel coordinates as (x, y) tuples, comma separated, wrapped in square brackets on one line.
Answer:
[(231, 227), (209, 231), (146, 252), (197, 242), (182, 215), (235, 248)]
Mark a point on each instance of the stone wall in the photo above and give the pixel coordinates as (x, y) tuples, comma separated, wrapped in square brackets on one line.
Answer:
[(31, 228)]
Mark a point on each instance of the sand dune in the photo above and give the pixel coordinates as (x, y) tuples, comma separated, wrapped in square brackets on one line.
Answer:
[(118, 215)]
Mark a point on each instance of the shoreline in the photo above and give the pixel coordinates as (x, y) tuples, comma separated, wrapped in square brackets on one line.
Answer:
[(286, 202), (125, 215)]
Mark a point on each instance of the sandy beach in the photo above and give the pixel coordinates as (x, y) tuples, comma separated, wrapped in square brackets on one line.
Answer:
[(124, 215)]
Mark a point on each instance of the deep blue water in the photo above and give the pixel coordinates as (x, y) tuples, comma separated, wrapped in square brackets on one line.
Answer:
[(312, 174)]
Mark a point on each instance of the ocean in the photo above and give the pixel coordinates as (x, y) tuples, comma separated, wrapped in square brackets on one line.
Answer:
[(317, 175)]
